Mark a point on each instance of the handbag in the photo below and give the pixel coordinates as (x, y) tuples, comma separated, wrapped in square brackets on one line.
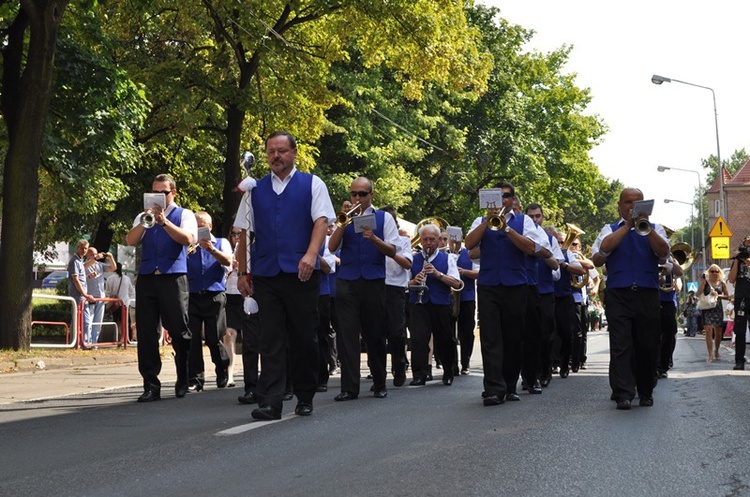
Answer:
[(707, 301)]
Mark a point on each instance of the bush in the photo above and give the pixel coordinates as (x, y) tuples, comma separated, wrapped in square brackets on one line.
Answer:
[(62, 287), (51, 311)]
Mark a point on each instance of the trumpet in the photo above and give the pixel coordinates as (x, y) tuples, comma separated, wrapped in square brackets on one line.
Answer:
[(343, 218), (496, 222), (192, 248), (148, 220), (642, 227)]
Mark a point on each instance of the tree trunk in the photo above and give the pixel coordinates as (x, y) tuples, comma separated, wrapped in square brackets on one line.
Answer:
[(25, 103), (232, 173)]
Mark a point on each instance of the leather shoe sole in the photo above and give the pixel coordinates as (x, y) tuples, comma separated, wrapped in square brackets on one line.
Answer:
[(248, 398), (266, 413), (344, 396), (149, 396), (512, 397), (493, 400), (380, 394), (303, 409), (623, 405)]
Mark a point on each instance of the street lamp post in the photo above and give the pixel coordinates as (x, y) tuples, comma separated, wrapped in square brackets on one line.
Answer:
[(692, 211), (661, 169), (657, 80)]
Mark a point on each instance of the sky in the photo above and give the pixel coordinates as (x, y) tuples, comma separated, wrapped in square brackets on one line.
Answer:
[(616, 48)]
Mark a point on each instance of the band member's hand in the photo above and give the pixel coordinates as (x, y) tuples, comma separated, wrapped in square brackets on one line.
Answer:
[(206, 245), (158, 214), (244, 286), (346, 206), (235, 264), (420, 278), (429, 268), (306, 267), (369, 234)]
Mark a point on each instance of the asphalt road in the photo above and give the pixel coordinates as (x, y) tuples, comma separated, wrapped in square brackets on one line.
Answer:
[(422, 441)]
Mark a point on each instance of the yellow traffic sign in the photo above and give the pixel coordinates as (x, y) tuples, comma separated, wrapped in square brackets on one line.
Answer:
[(720, 247), (720, 229)]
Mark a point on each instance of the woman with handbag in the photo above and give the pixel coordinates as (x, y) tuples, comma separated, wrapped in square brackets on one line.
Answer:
[(118, 286), (710, 291)]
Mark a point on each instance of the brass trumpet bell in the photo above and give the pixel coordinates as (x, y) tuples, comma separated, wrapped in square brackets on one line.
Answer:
[(437, 221), (148, 220), (497, 222)]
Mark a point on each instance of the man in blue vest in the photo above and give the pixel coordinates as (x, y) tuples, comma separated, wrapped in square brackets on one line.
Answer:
[(289, 212), (430, 312), (631, 300), (360, 291), (208, 263), (162, 288), (502, 292)]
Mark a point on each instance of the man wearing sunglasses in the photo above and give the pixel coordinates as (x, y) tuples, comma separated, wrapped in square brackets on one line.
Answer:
[(162, 288), (502, 293), (289, 212), (360, 290)]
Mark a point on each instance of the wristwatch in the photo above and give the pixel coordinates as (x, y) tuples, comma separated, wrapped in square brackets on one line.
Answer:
[(507, 228)]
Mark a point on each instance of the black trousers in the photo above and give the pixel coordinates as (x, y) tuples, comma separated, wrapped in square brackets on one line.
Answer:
[(360, 308), (324, 332), (161, 298), (288, 310), (633, 324), (466, 324), (502, 317), (430, 319), (532, 336), (206, 313), (668, 339), (546, 339), (578, 352), (395, 310), (565, 325), (250, 355), (741, 308)]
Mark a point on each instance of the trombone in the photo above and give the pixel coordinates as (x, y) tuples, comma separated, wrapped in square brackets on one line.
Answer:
[(343, 218)]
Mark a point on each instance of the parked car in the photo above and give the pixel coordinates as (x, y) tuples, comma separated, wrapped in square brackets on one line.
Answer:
[(50, 281)]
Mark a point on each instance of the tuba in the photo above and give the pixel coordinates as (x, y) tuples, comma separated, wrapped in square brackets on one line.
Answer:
[(343, 218), (437, 221), (573, 233), (682, 253)]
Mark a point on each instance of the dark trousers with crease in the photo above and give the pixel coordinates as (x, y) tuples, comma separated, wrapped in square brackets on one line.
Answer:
[(395, 302), (633, 325), (502, 317), (532, 337), (288, 310), (360, 308), (206, 314), (546, 339), (565, 325), (430, 319), (668, 318)]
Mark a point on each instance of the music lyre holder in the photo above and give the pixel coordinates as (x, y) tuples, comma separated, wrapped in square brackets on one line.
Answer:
[(420, 289)]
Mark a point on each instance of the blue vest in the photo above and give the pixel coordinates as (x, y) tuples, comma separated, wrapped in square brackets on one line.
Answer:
[(160, 252), (502, 263), (545, 283), (205, 272), (532, 269), (632, 263), (469, 292), (437, 293), (563, 288), (283, 226), (359, 257), (325, 285)]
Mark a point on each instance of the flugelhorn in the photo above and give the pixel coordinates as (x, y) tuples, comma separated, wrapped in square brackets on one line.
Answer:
[(343, 218)]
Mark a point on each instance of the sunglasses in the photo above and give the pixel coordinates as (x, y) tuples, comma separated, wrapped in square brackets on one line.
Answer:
[(165, 192), (359, 194), (507, 195), (234, 233), (713, 271), (575, 244)]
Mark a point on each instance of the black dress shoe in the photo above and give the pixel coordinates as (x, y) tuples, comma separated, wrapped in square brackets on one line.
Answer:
[(564, 373), (266, 413), (180, 389), (646, 401), (465, 371), (583, 366), (512, 397), (398, 381), (344, 396), (321, 388), (545, 381), (447, 380), (248, 398), (623, 405), (739, 366), (418, 381), (429, 377), (149, 396), (288, 396), (492, 400), (221, 381), (380, 394), (303, 409), (524, 385), (536, 388), (194, 387), (574, 369)]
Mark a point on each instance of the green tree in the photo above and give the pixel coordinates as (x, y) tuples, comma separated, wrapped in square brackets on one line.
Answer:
[(28, 52)]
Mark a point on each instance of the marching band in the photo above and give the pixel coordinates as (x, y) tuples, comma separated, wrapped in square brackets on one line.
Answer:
[(528, 284)]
